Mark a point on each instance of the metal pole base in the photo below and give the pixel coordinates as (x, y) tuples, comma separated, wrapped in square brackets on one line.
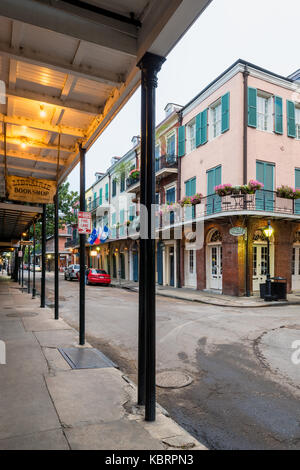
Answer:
[(33, 293)]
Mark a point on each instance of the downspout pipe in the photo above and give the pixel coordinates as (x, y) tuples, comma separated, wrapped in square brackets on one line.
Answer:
[(245, 176)]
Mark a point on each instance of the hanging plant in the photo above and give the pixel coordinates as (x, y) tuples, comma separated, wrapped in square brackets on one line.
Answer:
[(134, 174), (223, 189), (196, 199), (286, 192), (255, 185), (186, 201)]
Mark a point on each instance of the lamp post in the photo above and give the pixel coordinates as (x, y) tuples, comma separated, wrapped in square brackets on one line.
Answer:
[(268, 231)]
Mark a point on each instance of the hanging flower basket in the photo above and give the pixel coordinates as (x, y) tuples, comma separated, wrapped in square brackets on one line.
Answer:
[(134, 174), (196, 199), (254, 186), (186, 201), (286, 192), (223, 189)]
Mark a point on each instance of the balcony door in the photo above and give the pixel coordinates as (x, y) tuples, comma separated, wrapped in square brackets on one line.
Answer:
[(265, 197), (213, 179), (260, 260)]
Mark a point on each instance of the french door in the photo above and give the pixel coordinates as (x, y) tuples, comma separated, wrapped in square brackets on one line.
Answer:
[(215, 267), (190, 269), (296, 268), (260, 264)]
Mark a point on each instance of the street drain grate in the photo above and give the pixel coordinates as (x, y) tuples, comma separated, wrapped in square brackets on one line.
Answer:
[(173, 379), (87, 358)]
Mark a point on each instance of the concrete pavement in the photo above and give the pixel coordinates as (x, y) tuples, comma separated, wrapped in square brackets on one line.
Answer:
[(45, 404)]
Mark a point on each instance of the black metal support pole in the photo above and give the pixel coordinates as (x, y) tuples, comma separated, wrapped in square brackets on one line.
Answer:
[(142, 262), (56, 254), (82, 252), (33, 271), (28, 274), (43, 276), (23, 251), (150, 65)]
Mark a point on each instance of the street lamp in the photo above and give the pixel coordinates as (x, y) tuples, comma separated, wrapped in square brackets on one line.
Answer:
[(268, 232)]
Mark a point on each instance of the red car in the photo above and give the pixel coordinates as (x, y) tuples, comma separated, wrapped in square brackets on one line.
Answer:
[(97, 276)]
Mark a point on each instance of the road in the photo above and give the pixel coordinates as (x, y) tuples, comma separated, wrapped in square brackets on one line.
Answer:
[(245, 390)]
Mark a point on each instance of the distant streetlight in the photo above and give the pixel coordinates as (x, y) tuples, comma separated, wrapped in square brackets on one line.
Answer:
[(268, 232)]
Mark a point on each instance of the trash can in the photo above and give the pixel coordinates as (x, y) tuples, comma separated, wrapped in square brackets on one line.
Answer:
[(262, 289), (279, 288)]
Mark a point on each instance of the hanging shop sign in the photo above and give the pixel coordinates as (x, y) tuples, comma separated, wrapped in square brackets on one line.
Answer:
[(26, 242), (237, 231), (28, 189), (84, 223)]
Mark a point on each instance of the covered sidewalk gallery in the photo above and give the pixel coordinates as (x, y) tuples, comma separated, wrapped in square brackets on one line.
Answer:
[(66, 69)]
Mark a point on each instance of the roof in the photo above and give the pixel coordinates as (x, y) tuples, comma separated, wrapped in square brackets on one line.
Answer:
[(68, 68), (237, 62)]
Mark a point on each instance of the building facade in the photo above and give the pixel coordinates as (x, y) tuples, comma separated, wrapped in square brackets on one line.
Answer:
[(243, 127)]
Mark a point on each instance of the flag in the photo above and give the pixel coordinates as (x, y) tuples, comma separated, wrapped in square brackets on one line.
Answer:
[(92, 237), (105, 234), (97, 241)]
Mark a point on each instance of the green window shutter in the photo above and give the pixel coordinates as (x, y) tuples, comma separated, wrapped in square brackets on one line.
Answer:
[(100, 197), (297, 178), (225, 112), (252, 113), (278, 115), (291, 123), (190, 187), (113, 218), (106, 192), (181, 141), (122, 216), (203, 138), (198, 130)]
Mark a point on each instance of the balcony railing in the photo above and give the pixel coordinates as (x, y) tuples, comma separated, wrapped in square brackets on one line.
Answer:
[(72, 243), (261, 201), (166, 161), (131, 182)]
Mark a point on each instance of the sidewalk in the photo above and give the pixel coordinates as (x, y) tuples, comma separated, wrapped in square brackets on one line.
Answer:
[(210, 298), (46, 404)]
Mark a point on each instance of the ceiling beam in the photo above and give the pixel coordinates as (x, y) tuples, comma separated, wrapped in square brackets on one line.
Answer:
[(52, 100), (35, 143), (26, 55), (29, 170), (21, 121), (70, 24), (20, 207), (33, 157)]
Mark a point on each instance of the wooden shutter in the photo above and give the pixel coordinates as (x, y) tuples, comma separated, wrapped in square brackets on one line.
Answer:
[(291, 123), (278, 115), (252, 112), (181, 141), (203, 139), (198, 130), (225, 112)]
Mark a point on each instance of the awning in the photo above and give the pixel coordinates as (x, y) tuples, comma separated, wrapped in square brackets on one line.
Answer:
[(69, 67)]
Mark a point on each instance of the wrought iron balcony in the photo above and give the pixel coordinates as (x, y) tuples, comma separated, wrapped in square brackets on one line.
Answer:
[(165, 163), (72, 243), (132, 182)]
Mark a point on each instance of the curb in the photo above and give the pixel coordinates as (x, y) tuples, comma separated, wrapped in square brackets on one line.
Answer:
[(217, 304)]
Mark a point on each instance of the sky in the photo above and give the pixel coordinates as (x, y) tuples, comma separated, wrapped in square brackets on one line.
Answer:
[(264, 32)]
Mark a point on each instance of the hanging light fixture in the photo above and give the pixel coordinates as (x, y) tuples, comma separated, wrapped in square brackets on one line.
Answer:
[(42, 111)]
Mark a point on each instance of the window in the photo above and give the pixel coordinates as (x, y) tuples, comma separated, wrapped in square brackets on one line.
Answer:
[(171, 146), (264, 112), (297, 119), (216, 119), (114, 188), (191, 262), (106, 192), (190, 187), (122, 185), (191, 136)]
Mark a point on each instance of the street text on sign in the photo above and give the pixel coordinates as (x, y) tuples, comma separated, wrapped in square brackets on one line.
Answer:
[(84, 222)]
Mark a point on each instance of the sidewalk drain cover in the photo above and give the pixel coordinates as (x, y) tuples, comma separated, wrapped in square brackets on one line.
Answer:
[(173, 379), (88, 358)]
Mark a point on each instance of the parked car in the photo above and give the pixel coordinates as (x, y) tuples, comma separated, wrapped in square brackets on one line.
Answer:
[(38, 269), (71, 271), (97, 276)]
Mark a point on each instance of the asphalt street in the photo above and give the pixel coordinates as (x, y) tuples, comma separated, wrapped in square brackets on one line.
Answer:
[(245, 389)]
